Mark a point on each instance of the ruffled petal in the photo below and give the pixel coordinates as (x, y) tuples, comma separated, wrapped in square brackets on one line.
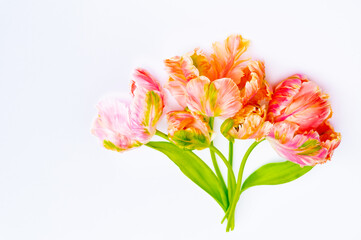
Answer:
[(201, 62), (142, 78), (228, 100), (309, 108), (283, 95), (302, 148), (226, 58), (329, 138), (147, 106), (252, 81), (248, 123), (181, 69), (300, 101), (218, 98), (112, 126)]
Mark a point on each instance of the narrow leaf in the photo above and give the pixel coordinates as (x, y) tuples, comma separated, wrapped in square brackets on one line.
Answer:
[(275, 173), (195, 169)]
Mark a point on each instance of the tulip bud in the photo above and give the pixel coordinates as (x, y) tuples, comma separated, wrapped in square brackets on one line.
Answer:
[(187, 130)]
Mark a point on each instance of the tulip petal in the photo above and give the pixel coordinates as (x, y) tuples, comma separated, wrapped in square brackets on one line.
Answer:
[(218, 98), (248, 123), (147, 106), (302, 148), (181, 69), (252, 81), (301, 101), (329, 138), (112, 126), (228, 100), (283, 95), (309, 107), (201, 62), (226, 58), (178, 91)]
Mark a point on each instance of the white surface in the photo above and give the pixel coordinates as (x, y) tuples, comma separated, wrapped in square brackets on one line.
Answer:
[(57, 58)]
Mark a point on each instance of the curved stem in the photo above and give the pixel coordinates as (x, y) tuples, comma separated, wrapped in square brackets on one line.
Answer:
[(162, 135), (224, 159), (217, 170), (214, 160), (237, 193)]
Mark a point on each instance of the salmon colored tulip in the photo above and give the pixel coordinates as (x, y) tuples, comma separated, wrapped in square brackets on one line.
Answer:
[(250, 121), (225, 61)]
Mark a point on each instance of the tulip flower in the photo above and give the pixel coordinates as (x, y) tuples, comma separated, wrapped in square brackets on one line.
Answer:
[(301, 133), (112, 126), (300, 101), (187, 130), (122, 125), (250, 120), (248, 123), (305, 148), (224, 62)]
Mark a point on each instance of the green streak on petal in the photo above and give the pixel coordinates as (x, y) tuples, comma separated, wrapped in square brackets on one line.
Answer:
[(153, 109), (201, 63), (190, 139), (109, 145), (212, 99), (310, 148)]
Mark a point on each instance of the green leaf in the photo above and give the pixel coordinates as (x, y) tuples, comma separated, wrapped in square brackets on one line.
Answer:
[(195, 169), (275, 173)]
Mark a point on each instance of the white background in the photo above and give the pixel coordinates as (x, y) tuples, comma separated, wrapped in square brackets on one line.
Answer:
[(57, 58)]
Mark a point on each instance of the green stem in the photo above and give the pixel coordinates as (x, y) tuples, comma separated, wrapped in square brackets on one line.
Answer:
[(218, 171), (231, 179), (162, 135), (231, 184), (224, 159), (230, 153), (237, 194), (214, 160)]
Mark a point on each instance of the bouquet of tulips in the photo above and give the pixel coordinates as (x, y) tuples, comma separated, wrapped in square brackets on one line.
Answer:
[(293, 117)]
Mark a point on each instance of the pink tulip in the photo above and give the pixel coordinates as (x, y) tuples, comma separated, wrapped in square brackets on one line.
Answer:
[(122, 125), (300, 101), (305, 148)]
